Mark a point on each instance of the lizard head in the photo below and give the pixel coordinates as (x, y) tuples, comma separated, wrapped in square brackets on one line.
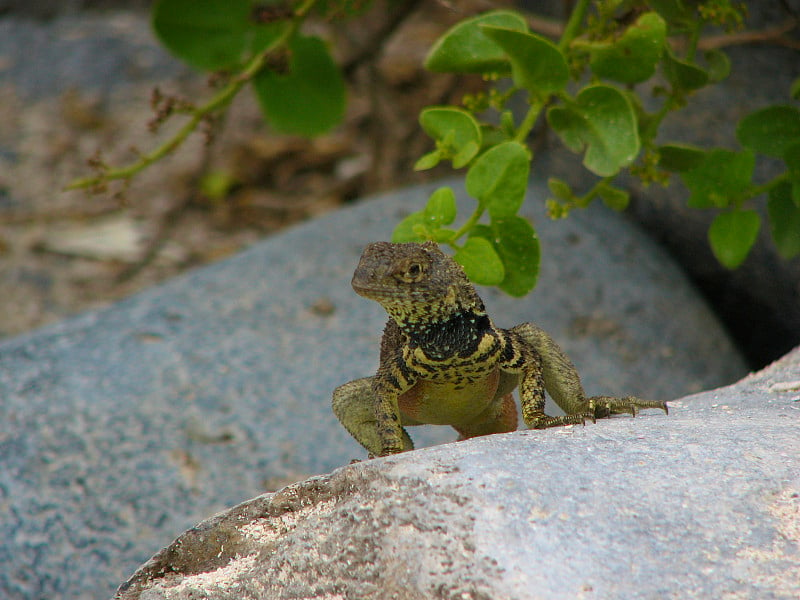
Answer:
[(414, 282)]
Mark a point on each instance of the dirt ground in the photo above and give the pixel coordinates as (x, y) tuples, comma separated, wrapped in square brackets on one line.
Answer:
[(64, 252)]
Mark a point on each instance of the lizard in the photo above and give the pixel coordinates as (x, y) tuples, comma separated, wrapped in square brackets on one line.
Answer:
[(444, 362)]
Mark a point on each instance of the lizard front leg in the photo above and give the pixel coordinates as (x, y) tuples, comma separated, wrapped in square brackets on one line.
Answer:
[(355, 404), (387, 385), (562, 382), (521, 358)]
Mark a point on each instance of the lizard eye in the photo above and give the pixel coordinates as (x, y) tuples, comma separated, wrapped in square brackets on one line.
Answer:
[(412, 273)]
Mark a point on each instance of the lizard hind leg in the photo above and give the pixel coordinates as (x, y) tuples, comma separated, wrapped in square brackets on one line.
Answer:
[(354, 405), (502, 420)]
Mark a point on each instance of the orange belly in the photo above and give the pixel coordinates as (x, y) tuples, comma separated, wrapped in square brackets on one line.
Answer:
[(443, 403)]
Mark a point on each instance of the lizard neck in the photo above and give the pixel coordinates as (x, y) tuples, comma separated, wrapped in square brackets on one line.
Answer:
[(443, 337)]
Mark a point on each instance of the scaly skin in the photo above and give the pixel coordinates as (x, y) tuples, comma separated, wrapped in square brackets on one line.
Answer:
[(444, 362)]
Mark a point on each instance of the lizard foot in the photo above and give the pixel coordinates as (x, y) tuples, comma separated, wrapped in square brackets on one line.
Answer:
[(544, 421), (605, 406)]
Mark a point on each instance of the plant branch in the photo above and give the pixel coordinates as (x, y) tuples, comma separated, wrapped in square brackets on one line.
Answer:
[(537, 104), (594, 192), (757, 190), (215, 104), (468, 225), (573, 26), (775, 35)]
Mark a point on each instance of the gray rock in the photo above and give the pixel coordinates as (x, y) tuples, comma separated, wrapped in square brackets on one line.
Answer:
[(47, 9), (90, 53), (122, 427), (704, 503)]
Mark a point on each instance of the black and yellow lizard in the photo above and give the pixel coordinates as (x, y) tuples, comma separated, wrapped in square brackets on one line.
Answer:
[(444, 362)]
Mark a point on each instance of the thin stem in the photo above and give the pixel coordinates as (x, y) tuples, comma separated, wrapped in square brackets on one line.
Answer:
[(571, 30), (537, 104), (574, 23), (691, 47), (587, 198), (468, 225), (756, 191), (215, 104)]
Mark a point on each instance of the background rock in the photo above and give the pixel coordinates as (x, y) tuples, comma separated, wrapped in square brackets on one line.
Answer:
[(45, 9), (704, 503), (122, 427), (759, 302), (82, 82)]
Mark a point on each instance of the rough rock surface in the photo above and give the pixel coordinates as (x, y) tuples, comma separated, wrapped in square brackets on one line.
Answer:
[(122, 427), (704, 503)]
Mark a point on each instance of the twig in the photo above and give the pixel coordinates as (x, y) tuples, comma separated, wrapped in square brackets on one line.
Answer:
[(218, 102), (774, 35)]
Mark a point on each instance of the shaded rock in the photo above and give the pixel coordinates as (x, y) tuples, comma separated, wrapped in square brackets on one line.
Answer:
[(91, 53), (759, 302), (45, 9), (704, 503), (122, 427)]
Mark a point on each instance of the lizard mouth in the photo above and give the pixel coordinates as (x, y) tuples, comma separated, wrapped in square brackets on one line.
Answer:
[(374, 292)]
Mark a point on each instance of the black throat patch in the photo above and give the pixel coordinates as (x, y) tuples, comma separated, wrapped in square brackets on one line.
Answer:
[(442, 339)]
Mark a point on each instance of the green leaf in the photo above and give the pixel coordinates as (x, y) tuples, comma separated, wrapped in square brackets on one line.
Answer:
[(784, 219), (602, 119), (560, 189), (536, 63), (732, 235), (407, 229), (794, 90), (463, 157), (456, 131), (614, 198), (310, 99), (480, 261), (683, 75), (719, 65), (211, 34), (464, 49), (791, 156), (507, 125), (633, 57), (441, 207), (426, 224), (443, 235), (679, 157), (499, 177), (428, 161), (671, 10), (770, 130), (569, 123), (518, 247), (719, 179)]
